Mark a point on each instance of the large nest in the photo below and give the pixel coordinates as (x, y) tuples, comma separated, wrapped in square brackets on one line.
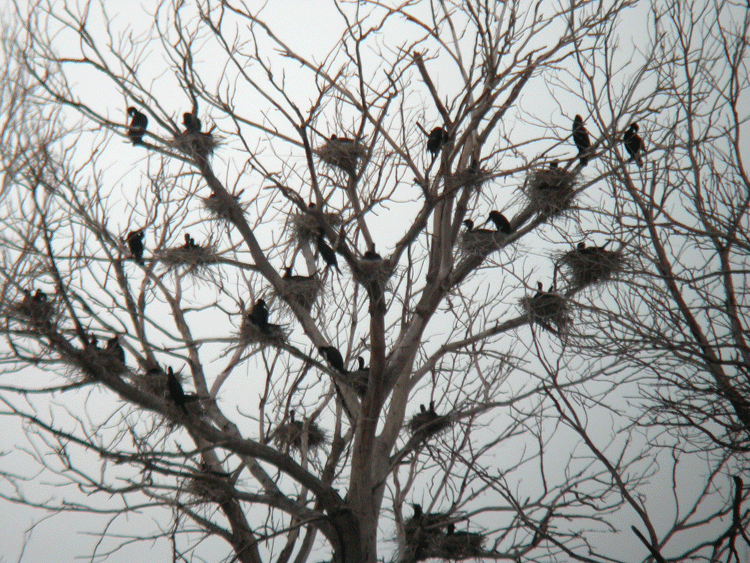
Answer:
[(342, 153), (591, 265), (218, 209), (471, 178), (195, 143), (550, 191), (36, 309), (290, 434), (305, 227), (460, 545), (154, 381), (375, 273), (303, 290), (424, 535), (190, 258), (427, 422), (480, 243), (250, 333), (547, 308)]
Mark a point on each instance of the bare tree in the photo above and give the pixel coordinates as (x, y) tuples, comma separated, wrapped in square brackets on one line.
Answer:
[(247, 291)]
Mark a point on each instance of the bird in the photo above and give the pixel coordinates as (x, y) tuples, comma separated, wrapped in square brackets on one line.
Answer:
[(329, 256), (502, 225), (259, 315), (360, 377), (114, 348), (540, 290), (137, 127), (436, 140), (192, 123), (189, 242), (295, 278), (333, 357), (470, 228), (176, 393), (135, 244), (581, 139), (633, 144), (372, 255)]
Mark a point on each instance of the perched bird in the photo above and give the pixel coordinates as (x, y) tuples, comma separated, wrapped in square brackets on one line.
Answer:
[(633, 144), (295, 278), (372, 255), (135, 244), (333, 357), (176, 393), (502, 225), (359, 378), (192, 123), (581, 139), (329, 256), (189, 242), (470, 228), (137, 127), (114, 348), (540, 290), (259, 315), (436, 140)]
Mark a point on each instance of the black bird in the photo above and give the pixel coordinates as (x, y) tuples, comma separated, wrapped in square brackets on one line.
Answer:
[(189, 242), (372, 255), (470, 227), (135, 244), (436, 140), (502, 224), (192, 123), (360, 377), (540, 290), (176, 393), (114, 348), (633, 144), (329, 256), (137, 127), (581, 139), (333, 357), (259, 315)]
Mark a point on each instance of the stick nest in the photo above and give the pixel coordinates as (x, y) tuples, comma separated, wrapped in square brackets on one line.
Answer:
[(208, 486), (290, 434), (424, 535), (218, 209), (305, 227), (303, 291), (478, 243), (472, 179), (551, 191), (375, 272), (195, 143), (37, 310), (192, 259), (461, 545), (427, 423), (250, 333), (342, 153), (592, 265), (547, 308)]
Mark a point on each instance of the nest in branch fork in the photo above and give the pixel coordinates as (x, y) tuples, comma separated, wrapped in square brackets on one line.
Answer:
[(218, 209), (424, 535), (195, 143), (304, 291), (305, 227), (480, 243), (342, 153), (592, 265), (427, 422), (461, 545), (551, 191), (471, 179), (37, 309), (547, 308), (290, 434), (250, 333), (192, 258), (375, 272), (209, 486)]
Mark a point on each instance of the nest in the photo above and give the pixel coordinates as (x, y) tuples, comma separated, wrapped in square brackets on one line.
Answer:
[(551, 191), (375, 273), (592, 265), (209, 486), (218, 209), (480, 243), (471, 179), (305, 227), (428, 423), (290, 435), (195, 143), (461, 545), (424, 535), (36, 309), (303, 290), (250, 333), (342, 153), (193, 259), (547, 308)]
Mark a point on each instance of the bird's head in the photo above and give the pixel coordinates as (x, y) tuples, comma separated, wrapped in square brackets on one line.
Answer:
[(469, 224)]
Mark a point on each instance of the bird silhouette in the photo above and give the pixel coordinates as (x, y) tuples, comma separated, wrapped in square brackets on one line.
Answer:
[(114, 348), (633, 144), (189, 242), (469, 224), (295, 278), (581, 139), (372, 255), (176, 393), (192, 123), (134, 240), (259, 315), (326, 252), (333, 357), (502, 224), (436, 140), (137, 127)]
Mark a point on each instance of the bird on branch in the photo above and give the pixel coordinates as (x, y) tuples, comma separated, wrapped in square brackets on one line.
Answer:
[(137, 127)]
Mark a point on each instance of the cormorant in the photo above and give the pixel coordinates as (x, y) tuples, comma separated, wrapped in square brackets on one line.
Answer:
[(502, 224), (292, 277), (470, 227), (137, 127), (329, 256), (114, 348), (192, 124), (189, 242), (333, 357), (360, 377), (135, 244), (259, 315), (540, 290), (372, 255), (176, 393), (436, 140), (581, 139), (633, 144)]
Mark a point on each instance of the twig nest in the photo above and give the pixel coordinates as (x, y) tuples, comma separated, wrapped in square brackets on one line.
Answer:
[(305, 227), (471, 178), (461, 545), (36, 309), (375, 272), (357, 380), (208, 486), (302, 289), (290, 434), (427, 422), (154, 381), (218, 208), (424, 534), (342, 153), (547, 308), (480, 243), (588, 265), (195, 143), (551, 191), (190, 258), (251, 333)]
